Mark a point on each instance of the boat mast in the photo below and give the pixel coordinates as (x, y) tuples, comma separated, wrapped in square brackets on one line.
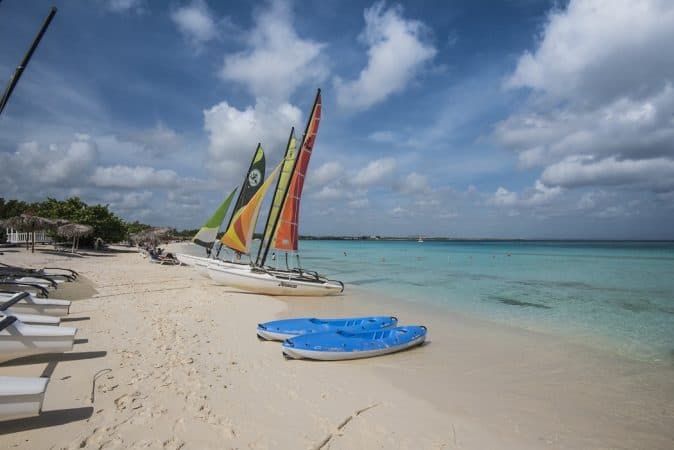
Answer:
[(24, 62), (292, 175), (271, 207)]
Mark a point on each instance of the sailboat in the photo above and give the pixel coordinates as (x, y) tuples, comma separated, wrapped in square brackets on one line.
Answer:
[(281, 231), (207, 235)]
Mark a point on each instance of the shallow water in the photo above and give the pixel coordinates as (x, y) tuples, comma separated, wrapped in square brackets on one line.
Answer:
[(613, 295), (617, 295)]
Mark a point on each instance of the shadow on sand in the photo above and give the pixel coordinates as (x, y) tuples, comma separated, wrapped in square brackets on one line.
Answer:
[(46, 419), (54, 357)]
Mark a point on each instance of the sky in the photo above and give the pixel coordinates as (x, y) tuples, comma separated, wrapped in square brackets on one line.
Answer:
[(512, 119)]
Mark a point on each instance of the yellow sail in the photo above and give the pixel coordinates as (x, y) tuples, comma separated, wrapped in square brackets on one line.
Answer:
[(279, 196), (239, 235)]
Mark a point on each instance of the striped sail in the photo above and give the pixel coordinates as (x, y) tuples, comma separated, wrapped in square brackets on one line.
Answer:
[(239, 235), (279, 195), (206, 236), (286, 234)]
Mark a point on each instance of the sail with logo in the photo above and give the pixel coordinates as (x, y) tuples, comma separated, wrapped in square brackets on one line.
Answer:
[(281, 230)]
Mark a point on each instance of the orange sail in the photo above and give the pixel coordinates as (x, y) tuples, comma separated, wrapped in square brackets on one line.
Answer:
[(287, 231), (239, 235)]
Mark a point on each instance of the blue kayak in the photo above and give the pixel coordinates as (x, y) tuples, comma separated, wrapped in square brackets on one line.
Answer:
[(279, 330), (338, 345)]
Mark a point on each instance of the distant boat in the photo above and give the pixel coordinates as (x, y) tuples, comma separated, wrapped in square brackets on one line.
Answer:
[(420, 239)]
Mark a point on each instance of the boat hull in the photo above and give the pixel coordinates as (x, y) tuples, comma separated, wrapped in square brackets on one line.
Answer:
[(261, 282), (19, 340), (21, 397), (336, 346)]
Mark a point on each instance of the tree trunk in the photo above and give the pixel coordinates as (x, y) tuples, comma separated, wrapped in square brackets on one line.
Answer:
[(33, 249)]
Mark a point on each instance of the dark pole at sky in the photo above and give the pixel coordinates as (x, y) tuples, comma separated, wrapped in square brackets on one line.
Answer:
[(24, 62)]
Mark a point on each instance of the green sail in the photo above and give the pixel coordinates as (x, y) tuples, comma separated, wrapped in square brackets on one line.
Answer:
[(208, 233)]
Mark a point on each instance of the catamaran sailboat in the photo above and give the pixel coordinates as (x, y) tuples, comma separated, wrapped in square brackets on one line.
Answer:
[(281, 230)]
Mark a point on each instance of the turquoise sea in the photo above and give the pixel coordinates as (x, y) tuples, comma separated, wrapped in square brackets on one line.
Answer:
[(614, 295)]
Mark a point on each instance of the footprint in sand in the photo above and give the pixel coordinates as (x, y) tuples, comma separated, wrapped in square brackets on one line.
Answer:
[(128, 401)]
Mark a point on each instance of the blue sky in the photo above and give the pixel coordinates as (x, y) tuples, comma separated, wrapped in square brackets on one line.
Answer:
[(512, 119)]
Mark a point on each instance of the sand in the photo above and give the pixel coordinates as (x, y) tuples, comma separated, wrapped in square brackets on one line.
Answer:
[(166, 359)]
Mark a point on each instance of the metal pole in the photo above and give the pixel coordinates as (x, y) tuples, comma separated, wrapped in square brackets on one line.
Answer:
[(24, 62)]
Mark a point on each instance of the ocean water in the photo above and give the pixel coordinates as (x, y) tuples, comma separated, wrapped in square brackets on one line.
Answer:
[(614, 295)]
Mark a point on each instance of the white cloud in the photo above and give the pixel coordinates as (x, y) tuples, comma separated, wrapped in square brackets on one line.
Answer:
[(195, 21), (503, 197), (233, 135), (374, 172), (414, 183), (591, 39), (126, 177), (539, 195), (396, 53), (328, 193), (326, 173), (53, 166), (657, 173), (277, 60), (601, 97), (128, 201), (125, 5)]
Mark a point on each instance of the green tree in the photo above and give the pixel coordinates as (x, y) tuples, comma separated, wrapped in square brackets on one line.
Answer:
[(106, 225), (136, 227)]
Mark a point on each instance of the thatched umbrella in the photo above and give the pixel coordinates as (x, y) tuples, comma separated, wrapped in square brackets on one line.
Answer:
[(30, 224), (153, 236), (75, 231)]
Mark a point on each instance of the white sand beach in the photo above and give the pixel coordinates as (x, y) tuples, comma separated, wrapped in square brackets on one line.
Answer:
[(166, 359)]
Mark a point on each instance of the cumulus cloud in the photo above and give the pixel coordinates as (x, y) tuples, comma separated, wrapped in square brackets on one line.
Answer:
[(196, 22), (656, 173), (328, 193), (326, 173), (414, 183), (374, 172), (538, 195), (62, 166), (587, 49), (277, 60), (396, 53), (128, 201), (233, 134), (601, 97), (126, 177)]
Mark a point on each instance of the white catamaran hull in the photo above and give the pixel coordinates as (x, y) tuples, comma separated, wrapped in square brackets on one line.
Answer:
[(32, 305), (198, 263), (21, 396), (262, 282), (19, 340)]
